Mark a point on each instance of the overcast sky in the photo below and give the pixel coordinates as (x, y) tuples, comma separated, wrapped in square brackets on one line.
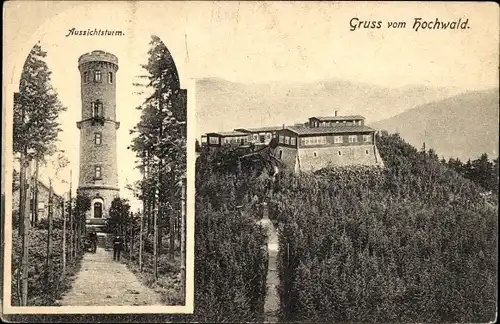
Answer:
[(252, 42)]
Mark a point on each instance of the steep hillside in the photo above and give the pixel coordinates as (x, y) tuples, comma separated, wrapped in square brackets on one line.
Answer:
[(462, 126), (223, 105)]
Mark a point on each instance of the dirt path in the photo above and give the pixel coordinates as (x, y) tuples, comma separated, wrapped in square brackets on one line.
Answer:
[(271, 306), (104, 282)]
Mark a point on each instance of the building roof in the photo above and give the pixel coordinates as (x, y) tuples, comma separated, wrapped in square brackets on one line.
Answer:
[(329, 130), (329, 118), (259, 129), (227, 134), (45, 186)]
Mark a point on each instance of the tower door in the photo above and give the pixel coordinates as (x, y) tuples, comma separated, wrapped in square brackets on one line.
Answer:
[(97, 210)]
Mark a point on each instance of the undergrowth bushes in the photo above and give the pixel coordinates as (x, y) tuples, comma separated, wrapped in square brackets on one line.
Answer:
[(230, 255), (44, 287), (412, 242)]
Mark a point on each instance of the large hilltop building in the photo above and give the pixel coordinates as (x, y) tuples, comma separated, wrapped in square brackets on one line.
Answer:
[(319, 143), (98, 161)]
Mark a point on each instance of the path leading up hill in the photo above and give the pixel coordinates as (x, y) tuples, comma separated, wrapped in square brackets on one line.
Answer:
[(104, 282), (271, 306)]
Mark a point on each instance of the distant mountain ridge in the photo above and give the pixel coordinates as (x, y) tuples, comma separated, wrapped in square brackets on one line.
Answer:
[(463, 126), (223, 105)]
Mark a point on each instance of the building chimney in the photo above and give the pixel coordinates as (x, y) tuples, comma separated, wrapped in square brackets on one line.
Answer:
[(283, 126), (335, 113)]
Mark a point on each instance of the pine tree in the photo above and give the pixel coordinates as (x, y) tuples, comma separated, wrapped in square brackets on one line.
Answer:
[(36, 109), (35, 131), (160, 142), (118, 215)]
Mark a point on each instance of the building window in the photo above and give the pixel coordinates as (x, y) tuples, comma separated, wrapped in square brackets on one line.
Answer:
[(366, 151), (96, 108), (282, 139), (353, 138), (367, 138), (227, 140), (255, 137), (97, 210), (97, 138), (97, 76), (85, 77), (97, 173), (292, 140), (213, 140), (338, 139), (315, 140), (110, 77), (340, 153), (315, 154), (281, 154), (287, 140)]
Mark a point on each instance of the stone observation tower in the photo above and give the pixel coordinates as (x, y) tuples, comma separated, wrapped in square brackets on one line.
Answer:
[(98, 161)]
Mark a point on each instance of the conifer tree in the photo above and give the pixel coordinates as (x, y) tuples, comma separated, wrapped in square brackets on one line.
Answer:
[(35, 114), (160, 141), (36, 109)]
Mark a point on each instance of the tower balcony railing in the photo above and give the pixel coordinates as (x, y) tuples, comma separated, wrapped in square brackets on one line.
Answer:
[(97, 120)]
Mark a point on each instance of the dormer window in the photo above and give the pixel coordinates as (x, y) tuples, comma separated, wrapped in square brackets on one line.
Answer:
[(97, 76), (110, 77)]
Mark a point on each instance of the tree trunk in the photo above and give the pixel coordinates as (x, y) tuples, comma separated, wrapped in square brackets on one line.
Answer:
[(26, 227), (70, 229), (22, 193), (160, 229), (76, 248), (49, 235), (35, 194), (172, 236), (155, 244), (140, 240), (63, 238), (183, 239)]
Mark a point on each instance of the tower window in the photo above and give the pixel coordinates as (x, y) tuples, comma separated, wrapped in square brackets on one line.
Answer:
[(97, 173), (110, 77), (97, 76), (85, 77), (97, 138), (96, 109), (97, 210)]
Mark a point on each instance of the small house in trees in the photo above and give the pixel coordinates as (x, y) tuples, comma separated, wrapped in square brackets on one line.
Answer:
[(43, 201), (221, 139), (260, 136)]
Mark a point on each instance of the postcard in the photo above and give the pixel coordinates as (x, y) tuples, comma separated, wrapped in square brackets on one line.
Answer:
[(250, 161)]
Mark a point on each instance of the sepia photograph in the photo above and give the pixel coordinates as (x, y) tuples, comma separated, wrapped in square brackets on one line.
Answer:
[(250, 161), (99, 173)]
